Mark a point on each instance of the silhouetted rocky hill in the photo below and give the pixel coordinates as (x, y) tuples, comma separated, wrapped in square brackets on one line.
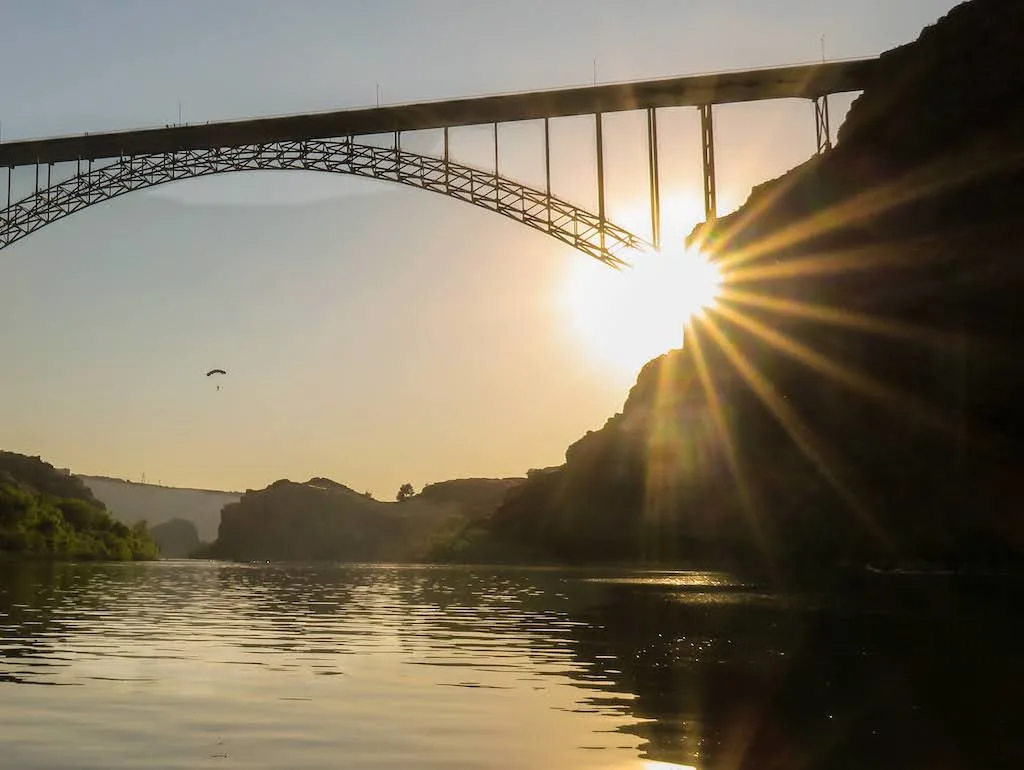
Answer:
[(856, 395), (132, 502), (323, 520), (472, 497), (176, 538)]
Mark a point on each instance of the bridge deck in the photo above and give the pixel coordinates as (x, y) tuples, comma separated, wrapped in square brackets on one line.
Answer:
[(800, 81)]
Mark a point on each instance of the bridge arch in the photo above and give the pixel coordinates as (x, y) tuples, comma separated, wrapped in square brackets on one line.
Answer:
[(577, 227)]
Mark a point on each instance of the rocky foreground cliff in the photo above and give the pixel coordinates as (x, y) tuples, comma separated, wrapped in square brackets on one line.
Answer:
[(856, 395)]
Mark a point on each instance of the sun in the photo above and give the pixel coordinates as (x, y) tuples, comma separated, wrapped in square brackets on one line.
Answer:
[(630, 316)]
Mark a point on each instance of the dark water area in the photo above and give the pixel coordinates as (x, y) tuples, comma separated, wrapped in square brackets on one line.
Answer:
[(206, 664)]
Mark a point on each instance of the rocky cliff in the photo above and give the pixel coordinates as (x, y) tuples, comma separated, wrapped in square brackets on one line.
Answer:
[(855, 395)]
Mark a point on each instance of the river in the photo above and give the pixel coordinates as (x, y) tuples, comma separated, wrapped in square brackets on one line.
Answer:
[(180, 664)]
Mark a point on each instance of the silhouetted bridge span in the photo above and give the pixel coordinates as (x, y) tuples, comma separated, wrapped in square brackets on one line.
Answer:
[(102, 166)]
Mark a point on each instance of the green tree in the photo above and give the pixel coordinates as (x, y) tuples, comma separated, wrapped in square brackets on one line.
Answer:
[(405, 492), (34, 525)]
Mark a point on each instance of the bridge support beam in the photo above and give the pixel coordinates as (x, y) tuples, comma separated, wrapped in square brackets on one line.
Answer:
[(496, 166), (447, 158), (707, 140), (821, 124), (652, 173), (547, 168), (601, 218)]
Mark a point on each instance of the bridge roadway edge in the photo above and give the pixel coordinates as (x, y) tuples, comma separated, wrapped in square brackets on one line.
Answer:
[(805, 81)]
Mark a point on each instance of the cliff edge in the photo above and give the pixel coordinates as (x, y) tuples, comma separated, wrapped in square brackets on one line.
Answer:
[(855, 395)]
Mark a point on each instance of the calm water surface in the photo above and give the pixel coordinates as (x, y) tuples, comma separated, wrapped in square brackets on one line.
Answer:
[(213, 665)]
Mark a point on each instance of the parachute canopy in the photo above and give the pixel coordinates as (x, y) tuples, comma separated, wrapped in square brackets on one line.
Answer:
[(215, 371)]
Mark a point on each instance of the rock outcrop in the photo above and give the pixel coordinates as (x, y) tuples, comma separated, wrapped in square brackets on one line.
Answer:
[(321, 520), (176, 539), (855, 396)]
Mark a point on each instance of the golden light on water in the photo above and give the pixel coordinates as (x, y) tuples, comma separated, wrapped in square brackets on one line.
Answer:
[(630, 316)]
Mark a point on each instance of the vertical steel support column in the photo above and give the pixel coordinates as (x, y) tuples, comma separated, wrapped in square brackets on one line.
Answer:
[(547, 167), (653, 175), (497, 204), (599, 127), (37, 177), (398, 155), (707, 133), (447, 159), (7, 218), (821, 124)]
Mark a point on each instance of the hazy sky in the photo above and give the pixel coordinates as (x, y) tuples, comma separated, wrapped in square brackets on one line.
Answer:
[(372, 334)]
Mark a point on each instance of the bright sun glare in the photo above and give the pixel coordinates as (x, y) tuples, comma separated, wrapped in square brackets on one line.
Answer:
[(630, 316)]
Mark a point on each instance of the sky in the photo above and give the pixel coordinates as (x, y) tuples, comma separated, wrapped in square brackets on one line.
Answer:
[(372, 334)]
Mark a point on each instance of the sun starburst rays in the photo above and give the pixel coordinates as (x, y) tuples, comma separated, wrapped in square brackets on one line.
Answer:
[(843, 375), (833, 316), (718, 324), (748, 296), (801, 434), (874, 201), (726, 440)]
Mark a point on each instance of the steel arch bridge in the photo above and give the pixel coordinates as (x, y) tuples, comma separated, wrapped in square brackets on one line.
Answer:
[(108, 165), (535, 208)]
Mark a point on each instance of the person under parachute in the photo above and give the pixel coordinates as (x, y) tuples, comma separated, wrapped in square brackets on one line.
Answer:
[(215, 371)]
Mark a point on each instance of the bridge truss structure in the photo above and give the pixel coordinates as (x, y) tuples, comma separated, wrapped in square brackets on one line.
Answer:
[(108, 165), (90, 185)]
